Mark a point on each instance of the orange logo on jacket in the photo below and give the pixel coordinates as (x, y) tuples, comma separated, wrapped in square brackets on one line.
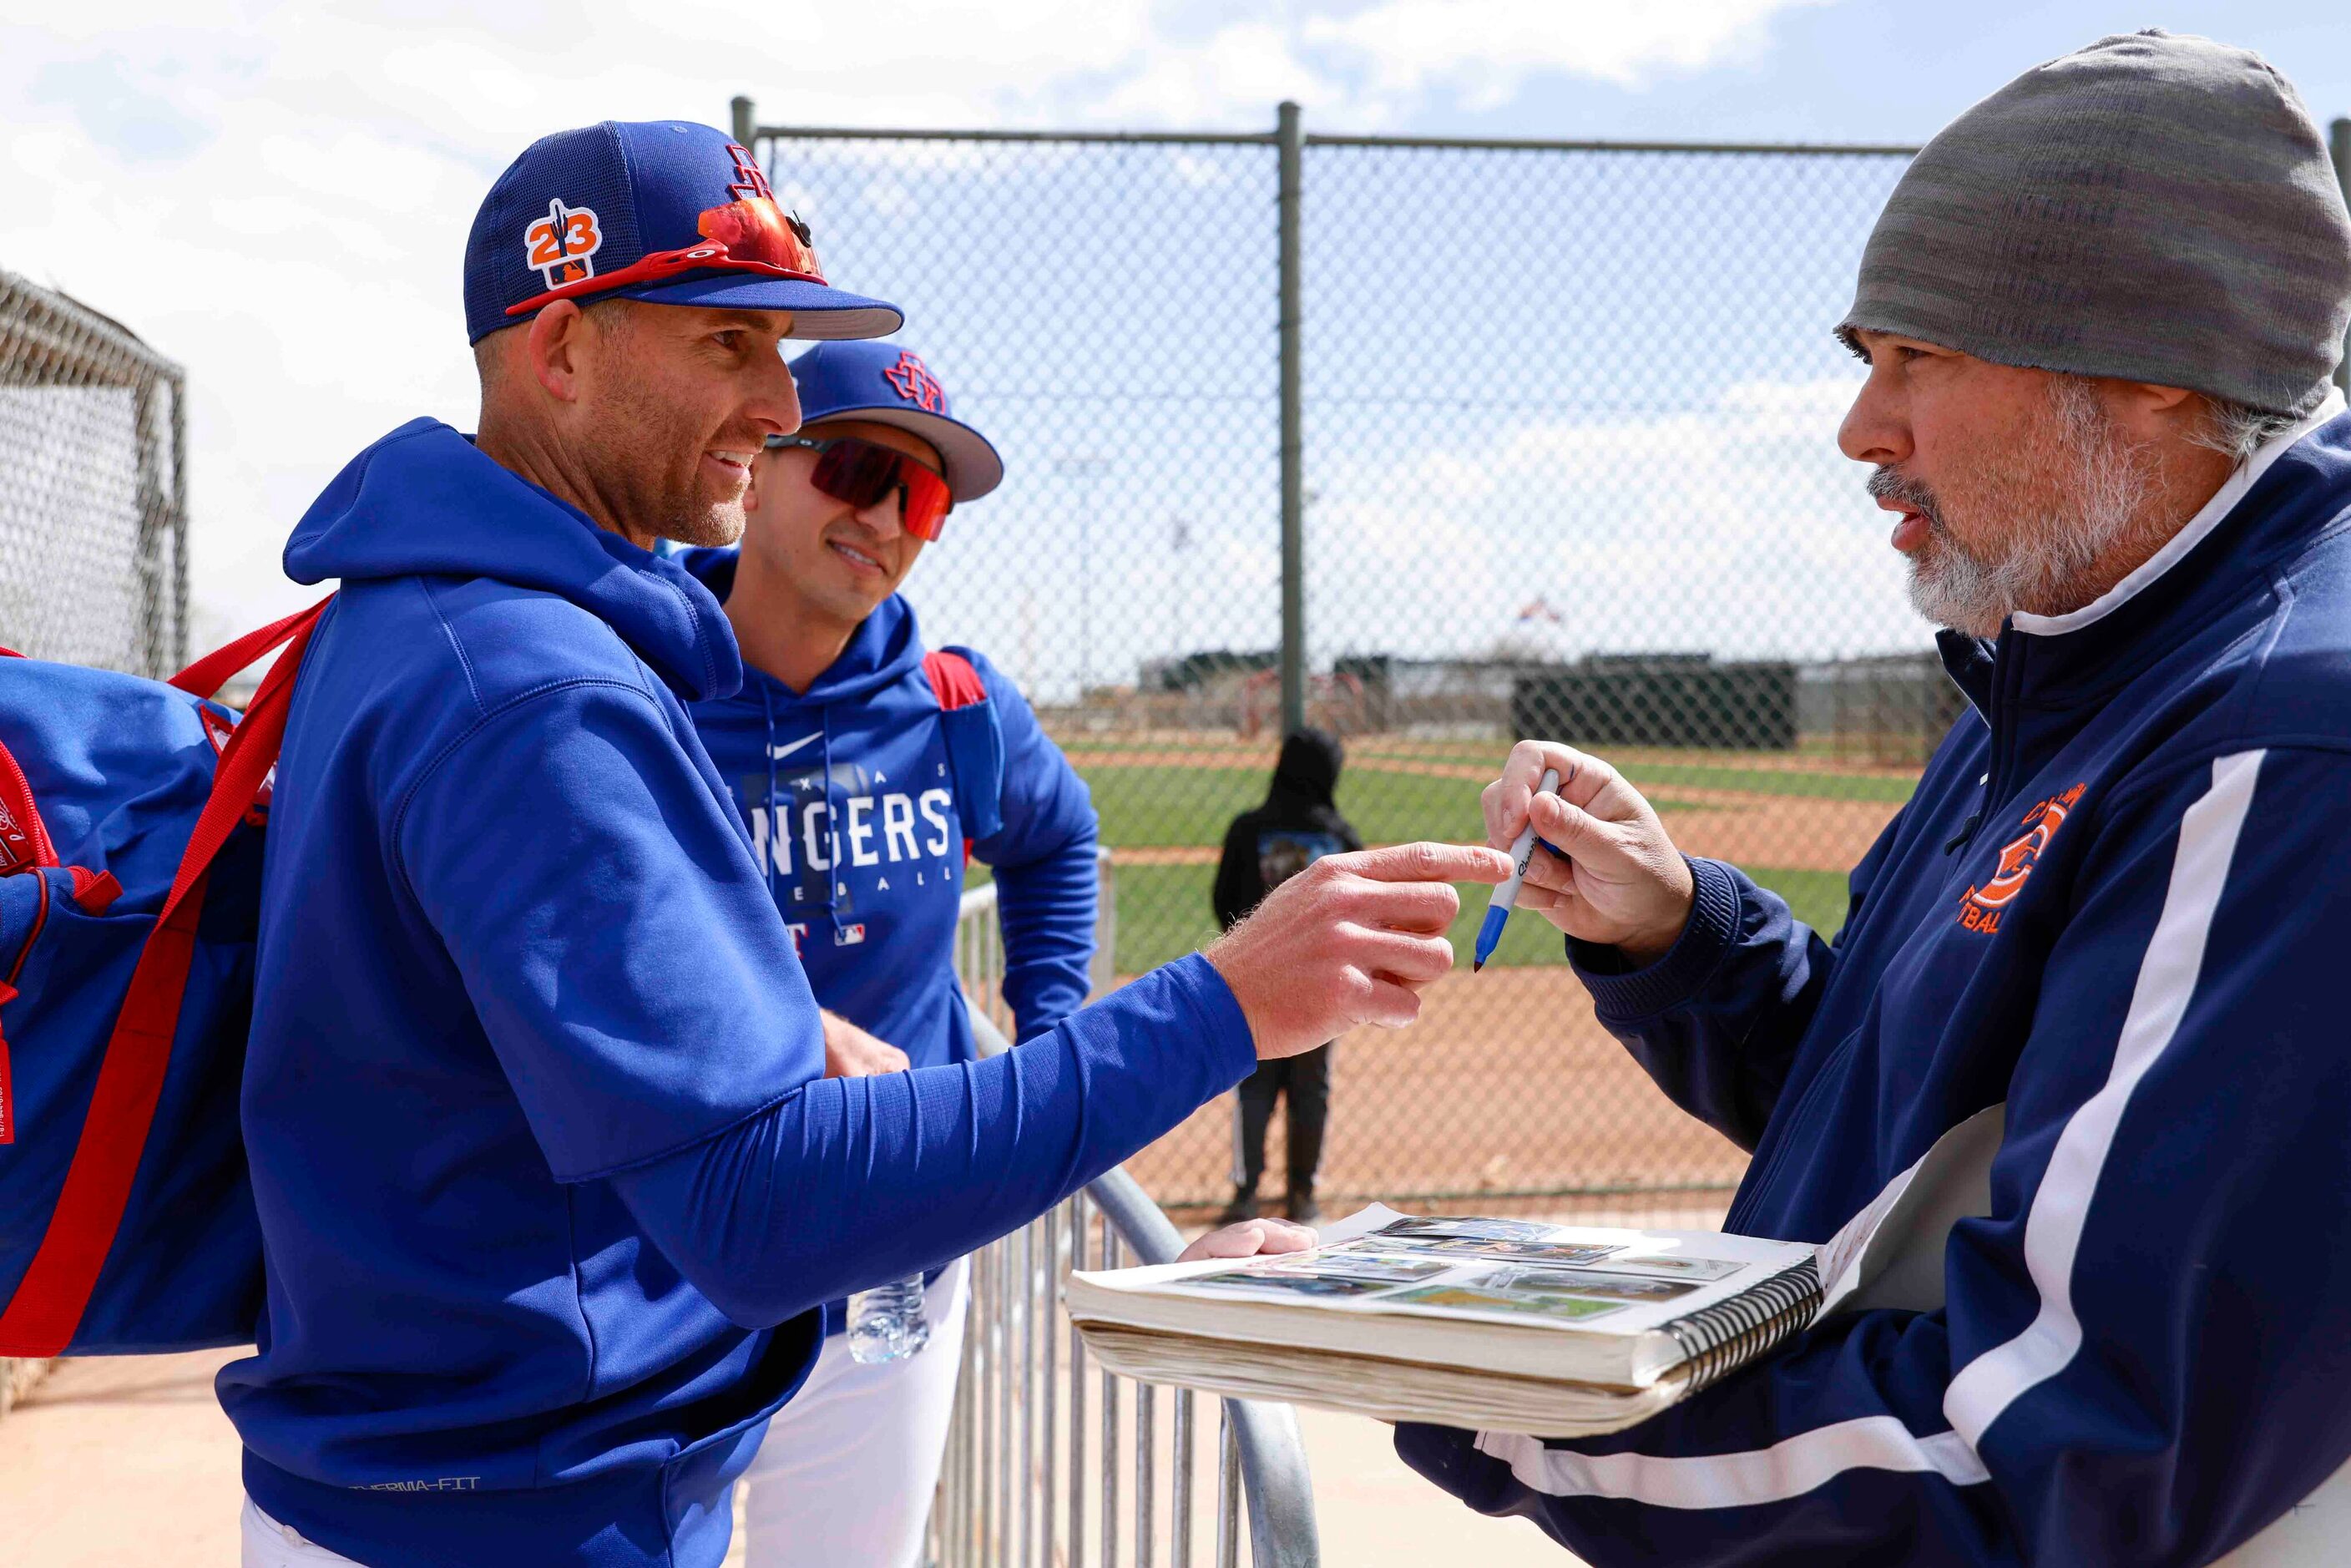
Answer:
[(1980, 910)]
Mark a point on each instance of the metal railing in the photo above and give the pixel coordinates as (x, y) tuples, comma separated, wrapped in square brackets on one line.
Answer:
[(1052, 1463)]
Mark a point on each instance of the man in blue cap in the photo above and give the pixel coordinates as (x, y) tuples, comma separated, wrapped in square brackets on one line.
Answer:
[(550, 1181), (865, 791)]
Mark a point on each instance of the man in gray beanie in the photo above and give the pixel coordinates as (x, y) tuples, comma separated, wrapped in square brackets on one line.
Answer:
[(2068, 1099)]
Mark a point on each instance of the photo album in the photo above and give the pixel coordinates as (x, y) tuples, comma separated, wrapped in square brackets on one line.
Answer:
[(1507, 1325)]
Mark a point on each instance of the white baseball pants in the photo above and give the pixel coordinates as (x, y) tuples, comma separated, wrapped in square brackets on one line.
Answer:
[(847, 1471)]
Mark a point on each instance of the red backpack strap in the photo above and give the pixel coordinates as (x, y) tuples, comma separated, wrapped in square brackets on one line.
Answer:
[(252, 749), (46, 1309), (975, 758), (954, 679), (205, 677)]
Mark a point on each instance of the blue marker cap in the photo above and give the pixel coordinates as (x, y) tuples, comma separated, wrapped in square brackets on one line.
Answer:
[(1490, 935)]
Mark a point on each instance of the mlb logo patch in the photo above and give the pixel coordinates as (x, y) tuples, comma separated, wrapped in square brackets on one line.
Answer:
[(848, 935), (564, 243)]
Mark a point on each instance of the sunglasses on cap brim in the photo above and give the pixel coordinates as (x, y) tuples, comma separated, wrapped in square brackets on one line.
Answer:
[(861, 473), (753, 237)]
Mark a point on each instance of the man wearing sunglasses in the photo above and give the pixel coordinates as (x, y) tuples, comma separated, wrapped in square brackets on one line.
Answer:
[(549, 1179), (865, 794)]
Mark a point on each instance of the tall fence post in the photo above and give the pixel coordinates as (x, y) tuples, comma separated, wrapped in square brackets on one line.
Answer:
[(2339, 144), (746, 122), (1291, 144), (1579, 447)]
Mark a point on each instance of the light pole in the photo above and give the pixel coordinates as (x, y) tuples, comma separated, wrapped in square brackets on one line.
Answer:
[(1086, 469)]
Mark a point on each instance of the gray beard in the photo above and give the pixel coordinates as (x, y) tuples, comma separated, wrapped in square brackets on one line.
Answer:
[(2097, 488)]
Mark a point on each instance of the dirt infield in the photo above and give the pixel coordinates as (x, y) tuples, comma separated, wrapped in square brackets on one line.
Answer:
[(1804, 835), (1800, 833), (1507, 1084)]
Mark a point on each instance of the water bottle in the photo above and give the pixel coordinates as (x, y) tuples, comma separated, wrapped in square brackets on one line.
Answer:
[(887, 1323)]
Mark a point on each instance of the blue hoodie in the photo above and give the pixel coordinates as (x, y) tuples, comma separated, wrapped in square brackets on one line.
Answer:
[(868, 865), (2116, 909), (550, 1183), (856, 818)]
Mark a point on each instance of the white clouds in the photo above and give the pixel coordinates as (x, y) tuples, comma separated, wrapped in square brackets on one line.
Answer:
[(1733, 528), (277, 194), (1234, 77), (1736, 528), (1487, 49)]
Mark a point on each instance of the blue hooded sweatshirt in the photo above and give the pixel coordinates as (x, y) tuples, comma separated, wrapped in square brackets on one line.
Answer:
[(2114, 917), (549, 1182), (855, 808), (857, 818)]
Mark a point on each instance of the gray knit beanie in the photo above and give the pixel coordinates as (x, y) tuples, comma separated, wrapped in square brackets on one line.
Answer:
[(2155, 207)]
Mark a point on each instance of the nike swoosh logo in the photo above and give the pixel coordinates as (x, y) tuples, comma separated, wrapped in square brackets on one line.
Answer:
[(781, 752)]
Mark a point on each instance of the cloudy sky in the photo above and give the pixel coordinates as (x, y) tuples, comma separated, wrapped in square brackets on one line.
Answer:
[(277, 196)]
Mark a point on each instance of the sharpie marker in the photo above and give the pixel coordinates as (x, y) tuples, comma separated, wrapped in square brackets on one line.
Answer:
[(1498, 912)]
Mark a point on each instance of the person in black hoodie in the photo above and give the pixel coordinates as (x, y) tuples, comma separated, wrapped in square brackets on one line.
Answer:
[(1298, 825)]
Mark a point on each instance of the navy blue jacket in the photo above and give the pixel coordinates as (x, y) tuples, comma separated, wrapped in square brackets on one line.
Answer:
[(2117, 904), (549, 1182)]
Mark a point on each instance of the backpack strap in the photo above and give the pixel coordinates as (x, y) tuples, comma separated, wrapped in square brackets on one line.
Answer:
[(24, 840), (205, 677), (955, 679), (46, 1310), (975, 742)]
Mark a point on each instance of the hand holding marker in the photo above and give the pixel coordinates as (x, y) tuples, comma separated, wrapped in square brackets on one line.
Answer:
[(1498, 912)]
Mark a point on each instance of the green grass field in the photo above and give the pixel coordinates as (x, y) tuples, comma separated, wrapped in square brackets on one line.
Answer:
[(1163, 914), (1649, 776), (1702, 773), (1158, 808)]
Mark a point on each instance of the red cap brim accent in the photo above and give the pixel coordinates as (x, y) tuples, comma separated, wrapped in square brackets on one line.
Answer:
[(663, 267)]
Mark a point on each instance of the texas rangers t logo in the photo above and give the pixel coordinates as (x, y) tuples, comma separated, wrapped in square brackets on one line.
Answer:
[(1980, 910), (749, 184), (563, 243), (913, 381)]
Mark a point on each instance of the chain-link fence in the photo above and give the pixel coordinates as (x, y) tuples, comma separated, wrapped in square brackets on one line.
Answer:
[(93, 510), (93, 495), (1567, 420)]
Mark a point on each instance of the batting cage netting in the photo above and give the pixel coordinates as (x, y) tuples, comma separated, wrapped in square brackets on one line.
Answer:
[(1566, 423), (93, 498)]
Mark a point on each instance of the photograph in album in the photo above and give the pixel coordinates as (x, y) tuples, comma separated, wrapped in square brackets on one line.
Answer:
[(1508, 1326)]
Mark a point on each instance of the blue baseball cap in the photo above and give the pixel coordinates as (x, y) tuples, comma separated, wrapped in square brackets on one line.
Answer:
[(664, 211), (888, 384)]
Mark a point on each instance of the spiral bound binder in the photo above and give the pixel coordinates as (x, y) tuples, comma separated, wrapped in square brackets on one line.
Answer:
[(1726, 1337)]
